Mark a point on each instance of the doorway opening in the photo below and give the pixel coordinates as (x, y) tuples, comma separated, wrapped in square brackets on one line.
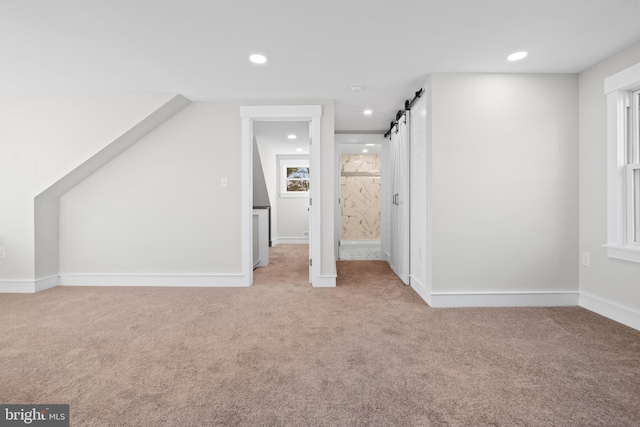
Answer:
[(251, 115), (281, 185), (361, 217)]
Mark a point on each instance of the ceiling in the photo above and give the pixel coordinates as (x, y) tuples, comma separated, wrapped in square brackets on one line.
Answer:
[(316, 50), (275, 136)]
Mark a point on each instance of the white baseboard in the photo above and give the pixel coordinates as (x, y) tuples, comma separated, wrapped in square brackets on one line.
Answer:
[(46, 283), (621, 314), (230, 280), (625, 315), (290, 240), (502, 299), (421, 289), (17, 287), (325, 282)]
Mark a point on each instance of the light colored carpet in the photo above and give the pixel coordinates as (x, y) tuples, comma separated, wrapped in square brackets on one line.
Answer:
[(368, 352)]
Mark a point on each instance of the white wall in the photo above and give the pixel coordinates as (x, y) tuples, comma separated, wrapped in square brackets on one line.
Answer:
[(505, 182), (260, 192), (269, 168), (158, 208), (607, 280), (42, 138)]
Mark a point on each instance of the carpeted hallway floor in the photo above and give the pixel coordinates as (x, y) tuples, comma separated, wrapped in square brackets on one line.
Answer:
[(368, 352)]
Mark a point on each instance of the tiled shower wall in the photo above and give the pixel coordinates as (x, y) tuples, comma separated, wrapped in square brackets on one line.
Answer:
[(360, 194)]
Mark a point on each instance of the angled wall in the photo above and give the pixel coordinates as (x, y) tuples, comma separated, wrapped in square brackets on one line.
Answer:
[(43, 137), (269, 169), (46, 204), (158, 209), (260, 192)]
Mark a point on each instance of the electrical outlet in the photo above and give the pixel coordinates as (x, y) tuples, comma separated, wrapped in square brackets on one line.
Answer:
[(3, 254), (586, 259)]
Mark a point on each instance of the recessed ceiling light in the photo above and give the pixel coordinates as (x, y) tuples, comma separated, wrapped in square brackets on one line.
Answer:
[(370, 145), (258, 58), (517, 56), (291, 136), (367, 112), (365, 151), (299, 150)]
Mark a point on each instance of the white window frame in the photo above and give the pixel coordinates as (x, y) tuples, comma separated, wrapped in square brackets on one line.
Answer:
[(621, 162), (632, 208), (291, 163)]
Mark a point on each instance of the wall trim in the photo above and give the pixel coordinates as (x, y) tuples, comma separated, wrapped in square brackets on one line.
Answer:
[(230, 280), (325, 281), (503, 299), (17, 287), (46, 283), (290, 240), (248, 114), (421, 289), (619, 313)]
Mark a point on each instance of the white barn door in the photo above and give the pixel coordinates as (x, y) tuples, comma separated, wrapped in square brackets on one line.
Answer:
[(400, 196)]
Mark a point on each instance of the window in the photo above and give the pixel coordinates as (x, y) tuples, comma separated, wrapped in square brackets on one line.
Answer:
[(633, 170), (297, 179), (294, 178), (623, 164)]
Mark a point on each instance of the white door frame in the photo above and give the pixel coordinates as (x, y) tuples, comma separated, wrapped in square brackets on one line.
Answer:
[(248, 114)]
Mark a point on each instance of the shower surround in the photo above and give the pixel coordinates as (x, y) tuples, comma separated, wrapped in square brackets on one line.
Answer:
[(360, 194)]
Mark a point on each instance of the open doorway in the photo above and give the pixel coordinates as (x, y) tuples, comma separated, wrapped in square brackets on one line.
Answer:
[(361, 217), (310, 114), (281, 185)]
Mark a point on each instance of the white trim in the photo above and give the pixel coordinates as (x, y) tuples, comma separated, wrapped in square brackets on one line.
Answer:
[(421, 289), (290, 240), (617, 88), (325, 281), (246, 199), (315, 209), (623, 80), (621, 314), (46, 283), (280, 112), (362, 242), (17, 287), (230, 280), (502, 299), (248, 114), (625, 253)]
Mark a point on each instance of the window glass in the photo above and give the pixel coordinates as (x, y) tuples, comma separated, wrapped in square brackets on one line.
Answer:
[(297, 178), (635, 200), (635, 152)]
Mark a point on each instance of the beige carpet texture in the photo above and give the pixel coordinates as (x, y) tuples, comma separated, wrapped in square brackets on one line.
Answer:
[(369, 352)]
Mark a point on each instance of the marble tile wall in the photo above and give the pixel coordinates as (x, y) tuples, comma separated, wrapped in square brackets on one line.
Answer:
[(360, 194)]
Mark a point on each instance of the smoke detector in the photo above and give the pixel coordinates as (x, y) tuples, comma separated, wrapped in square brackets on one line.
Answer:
[(356, 88)]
